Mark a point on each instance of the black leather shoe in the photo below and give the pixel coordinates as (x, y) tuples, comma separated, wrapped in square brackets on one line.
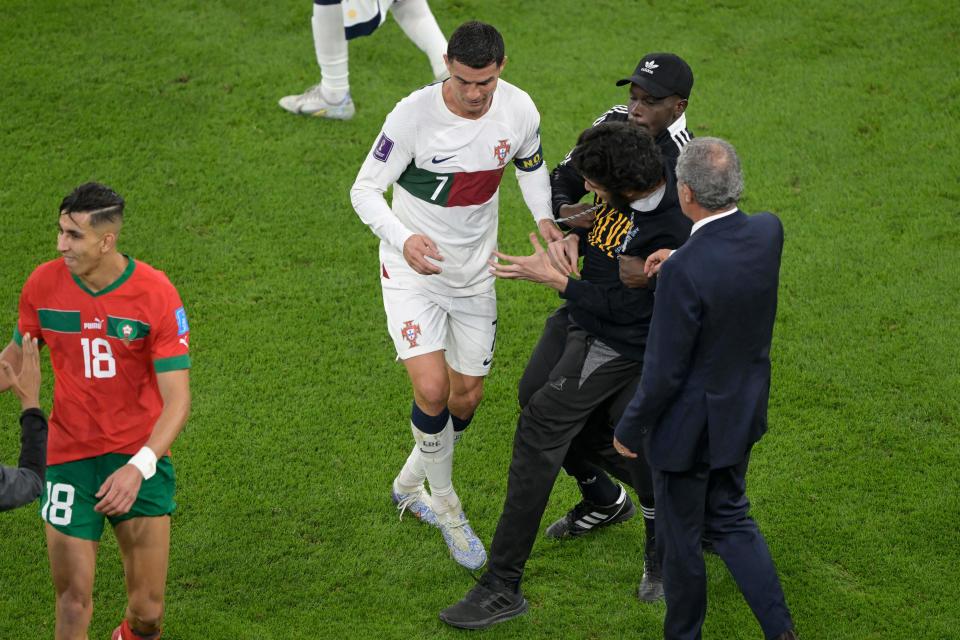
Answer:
[(489, 602), (651, 584), (651, 588)]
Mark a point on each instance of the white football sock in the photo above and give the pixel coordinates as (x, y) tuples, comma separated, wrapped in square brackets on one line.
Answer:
[(330, 42), (416, 20), (412, 475), (436, 455)]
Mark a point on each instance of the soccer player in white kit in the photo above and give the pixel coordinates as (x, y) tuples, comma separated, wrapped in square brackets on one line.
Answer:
[(444, 148)]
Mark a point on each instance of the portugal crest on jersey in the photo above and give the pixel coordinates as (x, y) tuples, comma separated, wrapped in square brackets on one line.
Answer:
[(501, 151), (410, 331)]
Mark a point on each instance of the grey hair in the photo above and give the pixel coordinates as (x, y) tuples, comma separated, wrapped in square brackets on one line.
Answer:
[(711, 168)]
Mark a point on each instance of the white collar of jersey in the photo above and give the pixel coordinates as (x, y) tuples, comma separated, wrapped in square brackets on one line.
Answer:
[(650, 202), (678, 125)]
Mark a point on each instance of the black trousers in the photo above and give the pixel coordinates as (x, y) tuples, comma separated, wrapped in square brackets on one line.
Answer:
[(592, 449), (583, 378), (712, 502)]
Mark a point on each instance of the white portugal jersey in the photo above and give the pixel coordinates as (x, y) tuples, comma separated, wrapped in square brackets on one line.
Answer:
[(446, 170)]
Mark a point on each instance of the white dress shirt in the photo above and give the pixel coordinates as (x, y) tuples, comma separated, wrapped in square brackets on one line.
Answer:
[(697, 225)]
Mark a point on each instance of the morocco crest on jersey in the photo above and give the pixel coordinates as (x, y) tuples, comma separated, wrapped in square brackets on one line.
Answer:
[(501, 151), (410, 331)]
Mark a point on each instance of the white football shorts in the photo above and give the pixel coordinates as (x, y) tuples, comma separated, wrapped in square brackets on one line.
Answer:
[(363, 17), (422, 321)]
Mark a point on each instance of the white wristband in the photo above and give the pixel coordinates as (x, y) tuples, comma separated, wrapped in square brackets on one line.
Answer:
[(145, 461)]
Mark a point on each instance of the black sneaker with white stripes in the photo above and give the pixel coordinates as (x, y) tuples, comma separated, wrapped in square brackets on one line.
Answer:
[(587, 517)]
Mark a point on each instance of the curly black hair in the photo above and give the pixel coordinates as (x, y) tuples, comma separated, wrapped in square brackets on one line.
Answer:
[(619, 157)]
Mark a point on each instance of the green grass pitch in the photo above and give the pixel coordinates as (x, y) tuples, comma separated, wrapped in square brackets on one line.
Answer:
[(845, 114)]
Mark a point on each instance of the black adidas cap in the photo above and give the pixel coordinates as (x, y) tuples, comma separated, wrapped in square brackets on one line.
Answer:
[(662, 75)]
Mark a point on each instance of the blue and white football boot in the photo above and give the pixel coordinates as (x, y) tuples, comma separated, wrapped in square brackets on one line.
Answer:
[(464, 545), (418, 503)]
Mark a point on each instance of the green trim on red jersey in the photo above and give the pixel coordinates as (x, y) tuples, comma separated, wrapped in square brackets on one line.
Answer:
[(127, 328), (176, 363), (461, 189), (131, 263), (59, 321)]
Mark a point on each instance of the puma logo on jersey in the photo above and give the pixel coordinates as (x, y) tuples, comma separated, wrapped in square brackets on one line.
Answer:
[(97, 324), (184, 342)]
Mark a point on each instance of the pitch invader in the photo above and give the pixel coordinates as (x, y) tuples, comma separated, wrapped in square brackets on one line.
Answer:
[(119, 342), (444, 149)]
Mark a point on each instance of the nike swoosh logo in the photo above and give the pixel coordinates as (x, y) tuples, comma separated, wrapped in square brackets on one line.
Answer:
[(436, 160), (487, 361)]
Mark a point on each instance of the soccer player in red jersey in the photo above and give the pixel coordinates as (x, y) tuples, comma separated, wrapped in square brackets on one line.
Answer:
[(119, 343)]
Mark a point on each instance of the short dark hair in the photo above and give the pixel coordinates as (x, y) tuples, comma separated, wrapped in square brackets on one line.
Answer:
[(100, 201), (476, 44), (619, 157)]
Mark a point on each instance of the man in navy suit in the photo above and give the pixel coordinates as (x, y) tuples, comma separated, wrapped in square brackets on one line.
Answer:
[(702, 400)]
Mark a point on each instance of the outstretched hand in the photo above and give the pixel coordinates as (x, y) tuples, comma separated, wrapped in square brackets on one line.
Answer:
[(26, 383), (536, 268)]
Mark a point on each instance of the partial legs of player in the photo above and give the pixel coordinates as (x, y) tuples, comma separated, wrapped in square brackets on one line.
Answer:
[(431, 383), (439, 394), (466, 392), (417, 22), (330, 98), (145, 548), (73, 563)]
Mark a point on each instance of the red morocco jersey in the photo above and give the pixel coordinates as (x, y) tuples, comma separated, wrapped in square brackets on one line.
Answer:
[(107, 349)]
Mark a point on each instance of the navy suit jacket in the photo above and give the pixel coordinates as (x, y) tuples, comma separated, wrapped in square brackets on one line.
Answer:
[(706, 371)]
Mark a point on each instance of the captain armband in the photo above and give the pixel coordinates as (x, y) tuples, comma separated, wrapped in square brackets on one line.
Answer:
[(531, 163)]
